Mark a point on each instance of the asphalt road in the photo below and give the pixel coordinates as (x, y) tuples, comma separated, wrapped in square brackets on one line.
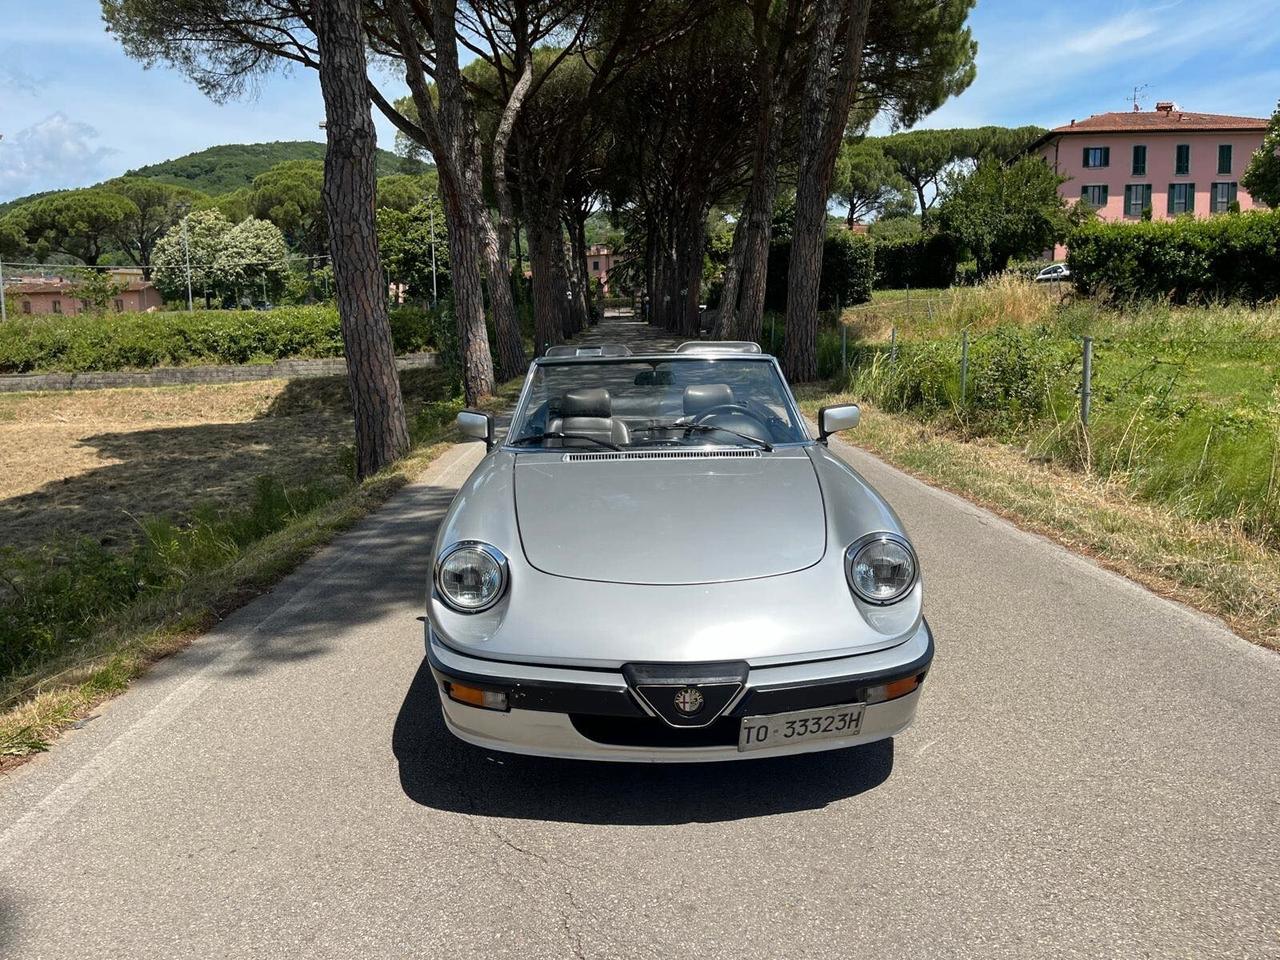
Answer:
[(1094, 773)]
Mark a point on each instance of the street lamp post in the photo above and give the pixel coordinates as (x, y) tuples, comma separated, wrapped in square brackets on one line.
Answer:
[(186, 254), (435, 298)]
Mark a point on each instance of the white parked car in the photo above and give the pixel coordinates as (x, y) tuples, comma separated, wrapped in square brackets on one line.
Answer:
[(1057, 271)]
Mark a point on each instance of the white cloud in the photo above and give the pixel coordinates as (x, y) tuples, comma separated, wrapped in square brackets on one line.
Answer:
[(53, 153), (1119, 32)]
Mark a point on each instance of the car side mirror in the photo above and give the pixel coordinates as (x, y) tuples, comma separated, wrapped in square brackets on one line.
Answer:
[(477, 426), (834, 419)]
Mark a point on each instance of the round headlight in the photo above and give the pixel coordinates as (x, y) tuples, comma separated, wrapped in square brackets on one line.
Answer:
[(471, 576), (881, 568)]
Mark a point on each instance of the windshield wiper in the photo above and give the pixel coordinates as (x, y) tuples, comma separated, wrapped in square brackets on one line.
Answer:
[(689, 428), (557, 435)]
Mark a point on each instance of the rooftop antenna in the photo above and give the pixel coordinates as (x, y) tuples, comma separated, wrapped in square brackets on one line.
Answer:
[(1137, 97)]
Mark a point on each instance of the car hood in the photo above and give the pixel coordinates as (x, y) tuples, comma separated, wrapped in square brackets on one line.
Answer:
[(658, 518)]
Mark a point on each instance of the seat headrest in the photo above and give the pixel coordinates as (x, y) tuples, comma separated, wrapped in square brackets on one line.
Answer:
[(587, 402), (704, 396)]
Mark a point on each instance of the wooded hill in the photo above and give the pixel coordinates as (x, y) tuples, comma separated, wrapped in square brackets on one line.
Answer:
[(230, 166)]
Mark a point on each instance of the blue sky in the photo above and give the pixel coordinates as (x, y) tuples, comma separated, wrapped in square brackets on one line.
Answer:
[(74, 110)]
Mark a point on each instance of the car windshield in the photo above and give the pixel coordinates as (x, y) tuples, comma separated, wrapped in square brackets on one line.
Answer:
[(616, 404)]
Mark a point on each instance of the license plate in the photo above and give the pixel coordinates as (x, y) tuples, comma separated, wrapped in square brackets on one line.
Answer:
[(823, 723)]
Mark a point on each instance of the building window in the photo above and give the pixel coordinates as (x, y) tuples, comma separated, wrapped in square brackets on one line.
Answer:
[(1137, 198), (595, 265), (1182, 160), (1224, 158), (119, 306), (1095, 195), (1140, 161), (26, 306), (57, 306), (1182, 198), (1097, 156), (1221, 197)]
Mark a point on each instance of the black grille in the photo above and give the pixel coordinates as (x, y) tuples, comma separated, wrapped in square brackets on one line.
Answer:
[(652, 732)]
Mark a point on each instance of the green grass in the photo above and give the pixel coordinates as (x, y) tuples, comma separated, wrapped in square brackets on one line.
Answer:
[(1213, 565), (1185, 401), (79, 620)]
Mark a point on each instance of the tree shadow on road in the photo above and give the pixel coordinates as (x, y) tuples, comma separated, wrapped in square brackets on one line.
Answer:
[(437, 770)]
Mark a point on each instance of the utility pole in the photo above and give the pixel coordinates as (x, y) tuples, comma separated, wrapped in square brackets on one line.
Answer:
[(186, 253), (435, 298)]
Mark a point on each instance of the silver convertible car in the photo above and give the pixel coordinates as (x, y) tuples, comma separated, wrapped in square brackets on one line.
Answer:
[(659, 563)]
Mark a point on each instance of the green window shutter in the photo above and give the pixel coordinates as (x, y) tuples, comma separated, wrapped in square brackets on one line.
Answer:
[(1191, 198), (1170, 198), (1146, 196), (1084, 192), (1232, 189), (1128, 200), (1085, 158), (1106, 156)]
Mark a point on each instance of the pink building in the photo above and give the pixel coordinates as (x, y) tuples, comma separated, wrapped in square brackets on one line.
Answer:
[(599, 263), (1170, 160)]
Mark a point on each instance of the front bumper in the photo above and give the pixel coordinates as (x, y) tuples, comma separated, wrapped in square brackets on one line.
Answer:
[(595, 715)]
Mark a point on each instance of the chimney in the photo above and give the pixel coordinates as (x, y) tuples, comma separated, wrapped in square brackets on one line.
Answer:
[(1166, 106)]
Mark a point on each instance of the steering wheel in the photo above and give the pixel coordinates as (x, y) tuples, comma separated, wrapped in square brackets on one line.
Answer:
[(740, 409), (735, 416)]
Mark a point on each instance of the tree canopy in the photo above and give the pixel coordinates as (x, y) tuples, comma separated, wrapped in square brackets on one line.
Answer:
[(1262, 177)]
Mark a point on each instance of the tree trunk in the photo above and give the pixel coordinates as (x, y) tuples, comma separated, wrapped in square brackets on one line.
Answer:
[(692, 240), (726, 311), (548, 323), (450, 133), (825, 113), (497, 243), (350, 182), (755, 253)]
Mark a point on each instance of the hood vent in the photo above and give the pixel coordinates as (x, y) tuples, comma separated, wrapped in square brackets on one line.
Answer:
[(714, 454)]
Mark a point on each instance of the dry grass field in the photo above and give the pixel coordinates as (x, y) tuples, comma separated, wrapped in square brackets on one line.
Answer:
[(88, 463)]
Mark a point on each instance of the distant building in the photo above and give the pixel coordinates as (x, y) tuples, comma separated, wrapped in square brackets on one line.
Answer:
[(1169, 160), (599, 263), (59, 295)]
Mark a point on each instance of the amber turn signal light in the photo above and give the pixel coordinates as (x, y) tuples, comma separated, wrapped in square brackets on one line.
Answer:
[(476, 696)]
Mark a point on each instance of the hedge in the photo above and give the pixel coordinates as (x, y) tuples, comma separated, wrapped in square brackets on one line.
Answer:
[(926, 260), (123, 341), (848, 265), (1234, 256)]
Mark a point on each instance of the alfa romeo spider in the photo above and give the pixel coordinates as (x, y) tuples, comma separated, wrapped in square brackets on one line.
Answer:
[(659, 562)]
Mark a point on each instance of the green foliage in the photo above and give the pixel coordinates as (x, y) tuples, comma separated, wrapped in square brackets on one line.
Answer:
[(917, 261), (848, 267), (1262, 177), (1001, 211), (924, 158), (97, 289), (53, 599), (290, 196), (1014, 375), (195, 240), (252, 260), (405, 245), (121, 341), (233, 166), (78, 223), (402, 191), (157, 207), (865, 180), (1226, 257), (895, 228)]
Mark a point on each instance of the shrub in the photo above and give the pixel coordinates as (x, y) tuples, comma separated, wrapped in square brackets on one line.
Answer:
[(848, 265), (1227, 257), (124, 341), (925, 260)]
